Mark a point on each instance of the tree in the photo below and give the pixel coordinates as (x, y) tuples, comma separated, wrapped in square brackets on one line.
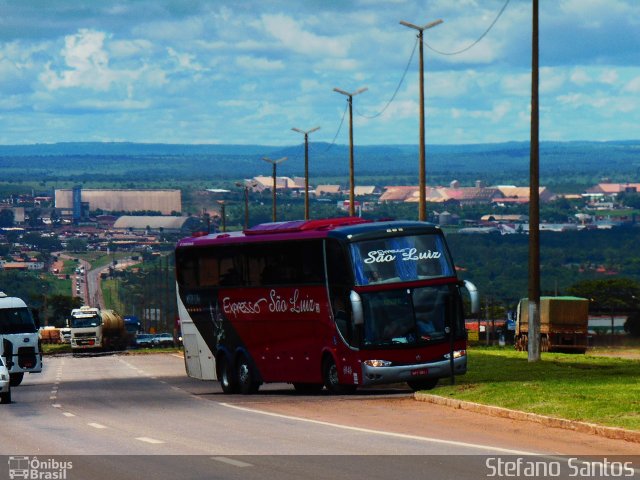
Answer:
[(609, 295), (59, 307), (6, 218), (77, 245)]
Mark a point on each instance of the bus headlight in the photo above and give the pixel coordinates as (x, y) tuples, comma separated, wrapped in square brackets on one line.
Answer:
[(377, 363), (456, 354)]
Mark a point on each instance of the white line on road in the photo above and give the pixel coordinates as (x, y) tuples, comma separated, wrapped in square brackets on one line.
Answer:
[(56, 405), (96, 425), (68, 414), (381, 432), (231, 461), (149, 440)]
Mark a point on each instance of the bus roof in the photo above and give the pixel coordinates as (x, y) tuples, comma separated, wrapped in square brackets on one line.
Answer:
[(352, 228)]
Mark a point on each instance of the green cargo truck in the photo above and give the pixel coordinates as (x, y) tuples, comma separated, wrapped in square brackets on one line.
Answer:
[(563, 324)]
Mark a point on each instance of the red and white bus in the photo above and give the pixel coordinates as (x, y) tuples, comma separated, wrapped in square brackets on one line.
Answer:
[(337, 303)]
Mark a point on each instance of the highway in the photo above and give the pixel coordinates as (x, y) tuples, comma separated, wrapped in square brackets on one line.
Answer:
[(137, 416)]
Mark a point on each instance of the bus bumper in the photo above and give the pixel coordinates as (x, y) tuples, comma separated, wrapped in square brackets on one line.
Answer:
[(377, 375)]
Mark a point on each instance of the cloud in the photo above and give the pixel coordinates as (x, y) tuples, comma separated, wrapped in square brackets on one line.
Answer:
[(292, 37), (87, 62), (255, 63)]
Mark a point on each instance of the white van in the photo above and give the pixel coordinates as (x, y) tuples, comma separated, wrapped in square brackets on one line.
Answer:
[(5, 383), (19, 342)]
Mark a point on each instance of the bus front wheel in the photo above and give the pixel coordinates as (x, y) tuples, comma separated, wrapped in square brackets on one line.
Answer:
[(427, 384), (247, 383), (227, 380), (331, 379)]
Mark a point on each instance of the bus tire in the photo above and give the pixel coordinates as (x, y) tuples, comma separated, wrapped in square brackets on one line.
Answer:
[(331, 378), (426, 384), (245, 376), (227, 378), (308, 388), (5, 397), (15, 379)]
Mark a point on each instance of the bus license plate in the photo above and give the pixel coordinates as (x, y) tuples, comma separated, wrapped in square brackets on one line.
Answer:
[(419, 372)]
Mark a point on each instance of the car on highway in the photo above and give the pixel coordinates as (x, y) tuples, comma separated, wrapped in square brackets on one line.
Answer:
[(5, 383), (163, 340), (144, 340)]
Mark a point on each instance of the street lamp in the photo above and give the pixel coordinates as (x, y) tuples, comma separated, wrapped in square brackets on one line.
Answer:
[(352, 208), (422, 206), (223, 212), (274, 163), (306, 167), (246, 201)]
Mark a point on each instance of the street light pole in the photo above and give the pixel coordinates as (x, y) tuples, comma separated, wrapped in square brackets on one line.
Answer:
[(223, 213), (245, 187), (352, 207), (422, 205), (274, 163), (306, 167)]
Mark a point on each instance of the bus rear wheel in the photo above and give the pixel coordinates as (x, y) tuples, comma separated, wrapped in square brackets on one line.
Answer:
[(247, 383), (227, 378), (15, 379), (331, 379)]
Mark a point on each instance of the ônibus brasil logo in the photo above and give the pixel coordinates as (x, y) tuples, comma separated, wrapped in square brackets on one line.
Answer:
[(36, 469)]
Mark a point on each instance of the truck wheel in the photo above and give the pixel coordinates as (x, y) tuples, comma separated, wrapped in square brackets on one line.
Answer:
[(426, 384), (227, 378), (5, 397), (15, 379), (331, 380), (247, 383)]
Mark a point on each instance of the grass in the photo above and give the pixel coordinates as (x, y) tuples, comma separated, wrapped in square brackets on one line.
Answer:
[(586, 388)]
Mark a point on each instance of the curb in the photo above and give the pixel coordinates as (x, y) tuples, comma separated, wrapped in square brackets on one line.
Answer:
[(582, 427)]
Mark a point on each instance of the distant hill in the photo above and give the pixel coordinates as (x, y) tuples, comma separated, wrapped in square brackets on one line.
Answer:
[(581, 162)]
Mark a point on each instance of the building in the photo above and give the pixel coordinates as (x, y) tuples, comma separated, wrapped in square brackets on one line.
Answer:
[(151, 223), (120, 200), (328, 190)]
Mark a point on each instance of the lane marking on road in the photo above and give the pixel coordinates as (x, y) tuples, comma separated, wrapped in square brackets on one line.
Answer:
[(404, 436), (68, 414), (52, 397), (96, 425), (149, 440), (56, 405), (231, 461)]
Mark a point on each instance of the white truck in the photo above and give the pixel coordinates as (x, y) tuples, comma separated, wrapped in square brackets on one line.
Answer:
[(19, 341), (93, 329)]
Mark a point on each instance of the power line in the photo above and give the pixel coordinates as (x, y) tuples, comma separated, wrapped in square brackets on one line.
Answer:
[(473, 44), (333, 142), (404, 74)]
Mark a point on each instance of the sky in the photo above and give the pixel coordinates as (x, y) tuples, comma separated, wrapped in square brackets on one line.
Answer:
[(247, 71)]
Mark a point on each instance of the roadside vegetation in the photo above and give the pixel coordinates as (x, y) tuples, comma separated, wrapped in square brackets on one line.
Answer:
[(588, 388)]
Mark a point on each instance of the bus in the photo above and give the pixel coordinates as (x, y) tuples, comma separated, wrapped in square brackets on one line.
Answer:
[(335, 303), (19, 341)]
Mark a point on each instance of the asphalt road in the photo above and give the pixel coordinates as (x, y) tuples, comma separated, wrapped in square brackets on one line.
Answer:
[(139, 416)]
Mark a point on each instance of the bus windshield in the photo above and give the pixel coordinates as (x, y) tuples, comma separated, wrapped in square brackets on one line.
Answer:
[(410, 316), (400, 259), (16, 320), (85, 321)]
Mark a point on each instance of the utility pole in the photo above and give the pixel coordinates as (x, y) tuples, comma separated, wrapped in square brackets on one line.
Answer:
[(273, 173), (352, 207), (534, 201), (306, 167), (223, 214), (422, 205)]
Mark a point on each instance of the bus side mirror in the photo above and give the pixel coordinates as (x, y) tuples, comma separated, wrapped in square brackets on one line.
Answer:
[(473, 293), (356, 308)]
